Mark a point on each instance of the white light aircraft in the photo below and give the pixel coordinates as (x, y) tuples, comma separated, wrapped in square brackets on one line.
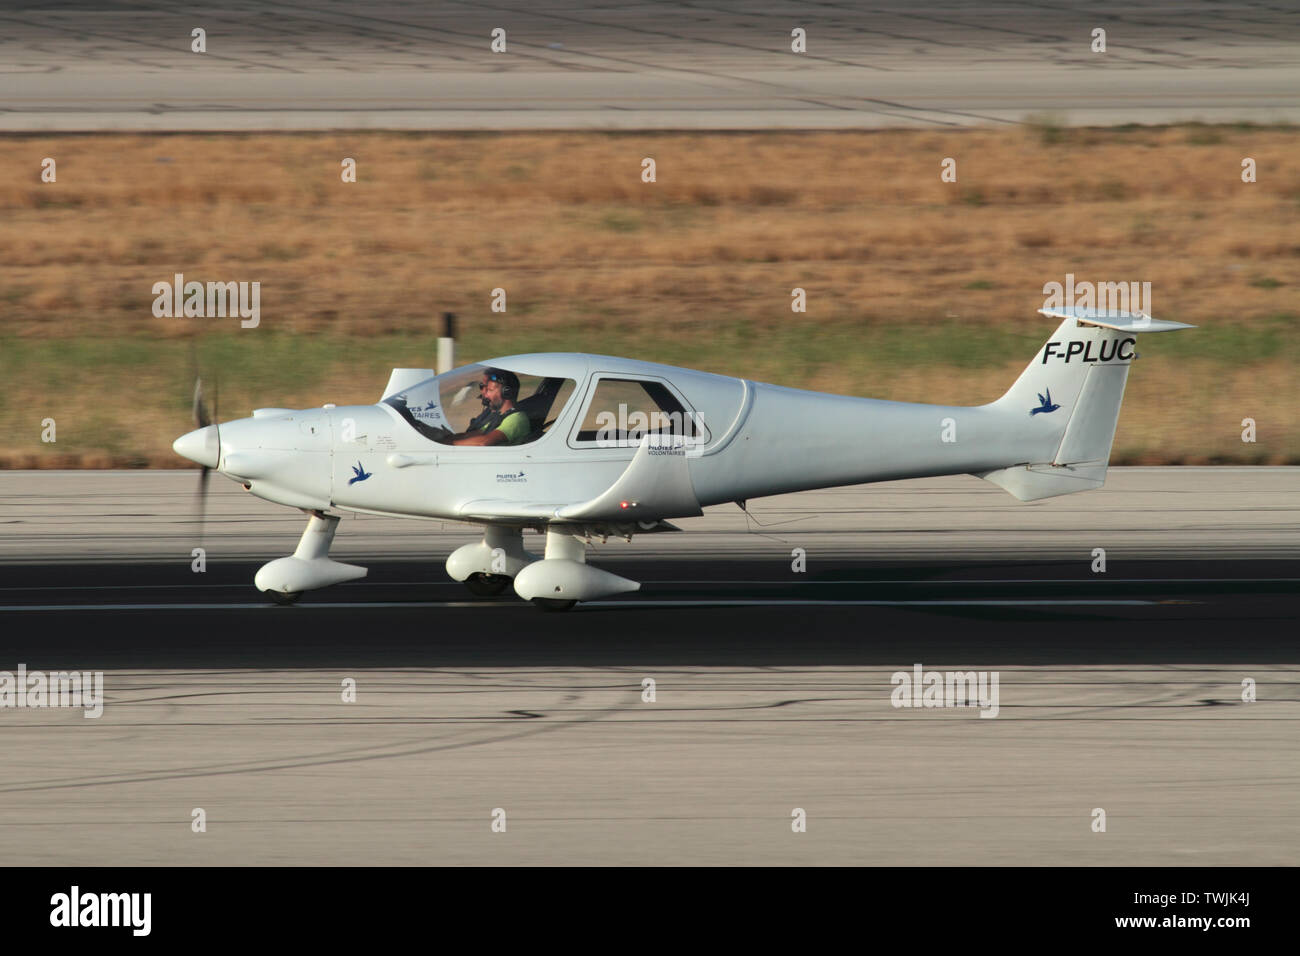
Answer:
[(577, 445)]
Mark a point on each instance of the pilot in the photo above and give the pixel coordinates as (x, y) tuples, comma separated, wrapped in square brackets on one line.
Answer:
[(500, 423)]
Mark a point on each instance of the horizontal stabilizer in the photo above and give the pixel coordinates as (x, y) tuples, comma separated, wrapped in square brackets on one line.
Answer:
[(1032, 482), (1119, 321)]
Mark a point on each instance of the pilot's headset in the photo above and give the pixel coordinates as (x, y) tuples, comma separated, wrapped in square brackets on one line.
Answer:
[(509, 383), (489, 419)]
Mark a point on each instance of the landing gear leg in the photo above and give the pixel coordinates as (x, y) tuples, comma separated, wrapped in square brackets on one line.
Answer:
[(563, 577), (561, 545), (310, 566)]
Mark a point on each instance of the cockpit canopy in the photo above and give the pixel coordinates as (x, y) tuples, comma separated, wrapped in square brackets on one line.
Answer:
[(452, 404)]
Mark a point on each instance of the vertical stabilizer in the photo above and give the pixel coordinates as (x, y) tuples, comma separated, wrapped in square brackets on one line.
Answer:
[(1066, 403)]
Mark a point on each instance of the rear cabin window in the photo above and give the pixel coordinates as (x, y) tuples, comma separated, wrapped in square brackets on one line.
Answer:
[(623, 410)]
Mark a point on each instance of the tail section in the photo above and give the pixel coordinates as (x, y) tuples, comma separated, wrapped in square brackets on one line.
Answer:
[(1067, 402)]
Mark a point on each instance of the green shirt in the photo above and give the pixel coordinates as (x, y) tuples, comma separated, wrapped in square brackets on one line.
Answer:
[(514, 426)]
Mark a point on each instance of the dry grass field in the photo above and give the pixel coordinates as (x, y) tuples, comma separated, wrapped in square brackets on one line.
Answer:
[(917, 289)]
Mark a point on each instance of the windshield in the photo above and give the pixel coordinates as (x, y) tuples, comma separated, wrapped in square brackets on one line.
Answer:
[(483, 405)]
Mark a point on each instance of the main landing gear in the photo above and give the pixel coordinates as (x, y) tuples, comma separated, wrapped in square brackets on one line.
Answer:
[(489, 566), (556, 582), (563, 577)]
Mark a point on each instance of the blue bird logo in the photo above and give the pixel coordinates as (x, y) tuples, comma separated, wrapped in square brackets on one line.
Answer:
[(1046, 405), (360, 474)]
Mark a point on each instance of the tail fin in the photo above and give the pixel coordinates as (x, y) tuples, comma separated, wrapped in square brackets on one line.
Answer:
[(1068, 400)]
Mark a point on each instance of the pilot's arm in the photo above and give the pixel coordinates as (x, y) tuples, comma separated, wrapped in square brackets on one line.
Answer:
[(494, 437), (513, 429)]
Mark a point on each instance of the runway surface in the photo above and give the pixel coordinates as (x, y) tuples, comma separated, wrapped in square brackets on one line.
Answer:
[(1120, 690), (654, 65)]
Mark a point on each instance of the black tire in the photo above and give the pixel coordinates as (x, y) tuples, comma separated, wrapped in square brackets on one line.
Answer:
[(285, 598), (553, 604), (487, 585)]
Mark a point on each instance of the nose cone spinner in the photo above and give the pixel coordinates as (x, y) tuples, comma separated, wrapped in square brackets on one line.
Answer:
[(201, 445)]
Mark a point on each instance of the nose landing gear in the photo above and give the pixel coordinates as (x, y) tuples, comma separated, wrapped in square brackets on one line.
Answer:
[(310, 566)]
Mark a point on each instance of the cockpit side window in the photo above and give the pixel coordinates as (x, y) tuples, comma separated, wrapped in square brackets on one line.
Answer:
[(452, 406)]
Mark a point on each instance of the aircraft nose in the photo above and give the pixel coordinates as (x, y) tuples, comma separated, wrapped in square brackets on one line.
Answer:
[(201, 445)]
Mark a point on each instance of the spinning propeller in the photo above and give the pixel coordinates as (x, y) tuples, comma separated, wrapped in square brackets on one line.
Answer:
[(204, 443)]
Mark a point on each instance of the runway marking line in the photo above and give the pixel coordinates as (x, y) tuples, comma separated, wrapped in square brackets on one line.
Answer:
[(756, 602)]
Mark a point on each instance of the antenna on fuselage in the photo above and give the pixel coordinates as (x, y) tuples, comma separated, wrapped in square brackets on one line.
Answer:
[(742, 504)]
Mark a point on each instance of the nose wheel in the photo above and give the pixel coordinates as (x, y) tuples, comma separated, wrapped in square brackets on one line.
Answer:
[(285, 598)]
